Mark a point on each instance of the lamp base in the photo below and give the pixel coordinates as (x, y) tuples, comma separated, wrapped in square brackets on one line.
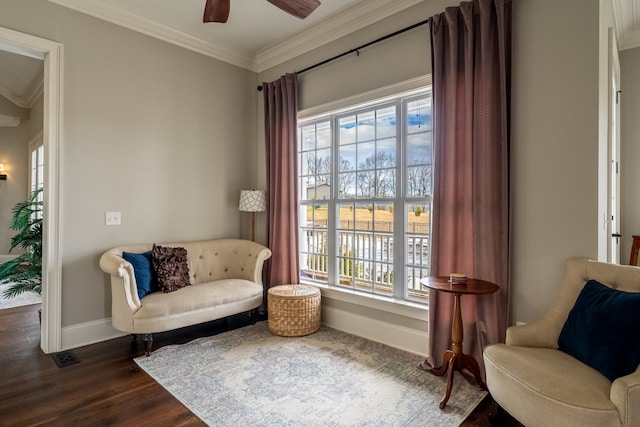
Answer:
[(253, 226)]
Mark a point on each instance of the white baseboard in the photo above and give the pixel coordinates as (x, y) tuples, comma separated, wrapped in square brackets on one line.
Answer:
[(411, 340), (88, 333)]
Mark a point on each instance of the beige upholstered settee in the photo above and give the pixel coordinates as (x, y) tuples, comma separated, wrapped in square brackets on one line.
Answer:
[(540, 385), (225, 278)]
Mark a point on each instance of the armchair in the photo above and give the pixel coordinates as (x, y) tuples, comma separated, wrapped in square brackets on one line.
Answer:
[(540, 385)]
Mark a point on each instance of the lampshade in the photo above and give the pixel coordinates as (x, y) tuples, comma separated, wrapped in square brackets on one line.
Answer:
[(252, 201), (1, 167)]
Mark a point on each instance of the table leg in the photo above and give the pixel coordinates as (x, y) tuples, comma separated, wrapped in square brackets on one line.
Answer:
[(470, 364), (451, 368), (448, 356), (454, 359)]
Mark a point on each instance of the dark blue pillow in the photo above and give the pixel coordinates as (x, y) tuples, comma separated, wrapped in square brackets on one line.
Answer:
[(603, 330), (143, 271)]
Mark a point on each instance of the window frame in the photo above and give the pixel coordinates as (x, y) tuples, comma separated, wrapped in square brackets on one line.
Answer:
[(394, 95)]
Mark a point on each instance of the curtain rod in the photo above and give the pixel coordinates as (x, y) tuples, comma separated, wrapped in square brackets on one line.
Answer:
[(356, 50)]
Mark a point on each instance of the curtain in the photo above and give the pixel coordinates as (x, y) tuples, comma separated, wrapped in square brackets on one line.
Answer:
[(471, 58), (281, 128)]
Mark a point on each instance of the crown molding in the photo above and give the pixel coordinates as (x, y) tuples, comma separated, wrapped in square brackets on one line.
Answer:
[(9, 121), (334, 27), (630, 41), (159, 31), (617, 20), (33, 91), (8, 94), (626, 14)]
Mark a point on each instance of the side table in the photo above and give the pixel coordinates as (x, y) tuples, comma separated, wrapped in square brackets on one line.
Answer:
[(454, 359), (293, 310)]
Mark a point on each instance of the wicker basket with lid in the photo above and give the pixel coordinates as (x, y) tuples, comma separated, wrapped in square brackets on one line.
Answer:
[(294, 310)]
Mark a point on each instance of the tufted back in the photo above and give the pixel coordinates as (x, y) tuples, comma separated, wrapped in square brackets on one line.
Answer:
[(224, 259), (214, 259)]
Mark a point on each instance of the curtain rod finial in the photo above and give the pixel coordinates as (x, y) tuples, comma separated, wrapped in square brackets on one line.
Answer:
[(259, 88)]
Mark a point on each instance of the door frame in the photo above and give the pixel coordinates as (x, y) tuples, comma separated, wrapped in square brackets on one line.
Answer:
[(51, 53), (613, 160)]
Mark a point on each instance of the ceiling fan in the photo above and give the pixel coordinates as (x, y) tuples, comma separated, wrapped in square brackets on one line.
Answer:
[(218, 10)]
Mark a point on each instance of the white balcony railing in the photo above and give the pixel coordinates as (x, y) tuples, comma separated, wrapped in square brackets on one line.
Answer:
[(366, 260)]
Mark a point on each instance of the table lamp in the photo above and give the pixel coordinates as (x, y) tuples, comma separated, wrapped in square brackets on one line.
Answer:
[(252, 201)]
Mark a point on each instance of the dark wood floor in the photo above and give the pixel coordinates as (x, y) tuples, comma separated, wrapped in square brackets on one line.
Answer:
[(106, 388)]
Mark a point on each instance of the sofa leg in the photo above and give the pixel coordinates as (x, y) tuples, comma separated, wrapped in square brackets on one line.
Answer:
[(494, 412), (148, 339), (253, 315)]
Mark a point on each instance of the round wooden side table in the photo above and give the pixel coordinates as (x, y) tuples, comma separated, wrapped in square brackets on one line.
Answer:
[(293, 310), (454, 359)]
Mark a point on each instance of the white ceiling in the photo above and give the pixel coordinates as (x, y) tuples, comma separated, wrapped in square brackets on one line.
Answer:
[(257, 35)]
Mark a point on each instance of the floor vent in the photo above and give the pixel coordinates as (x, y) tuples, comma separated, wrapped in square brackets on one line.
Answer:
[(65, 358)]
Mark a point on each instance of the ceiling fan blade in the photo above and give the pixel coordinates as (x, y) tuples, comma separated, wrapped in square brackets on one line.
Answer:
[(298, 8), (216, 11)]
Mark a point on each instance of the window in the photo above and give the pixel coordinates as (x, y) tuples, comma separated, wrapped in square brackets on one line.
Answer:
[(365, 188), (36, 167)]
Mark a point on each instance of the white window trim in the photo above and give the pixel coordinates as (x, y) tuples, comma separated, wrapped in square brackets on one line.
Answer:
[(400, 307)]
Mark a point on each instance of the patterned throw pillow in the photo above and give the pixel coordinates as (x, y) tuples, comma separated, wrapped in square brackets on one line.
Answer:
[(170, 267)]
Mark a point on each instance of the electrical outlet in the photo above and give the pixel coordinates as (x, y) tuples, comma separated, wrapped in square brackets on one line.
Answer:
[(112, 218)]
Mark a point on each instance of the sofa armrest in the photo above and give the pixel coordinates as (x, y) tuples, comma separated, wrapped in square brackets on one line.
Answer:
[(123, 282), (625, 395), (255, 265)]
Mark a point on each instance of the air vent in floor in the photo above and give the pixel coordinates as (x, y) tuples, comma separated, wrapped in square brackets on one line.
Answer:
[(65, 358)]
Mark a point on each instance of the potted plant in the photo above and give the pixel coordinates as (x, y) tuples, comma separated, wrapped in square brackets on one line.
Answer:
[(24, 273)]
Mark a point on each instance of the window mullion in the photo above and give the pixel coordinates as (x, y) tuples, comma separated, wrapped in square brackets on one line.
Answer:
[(399, 290), (332, 229)]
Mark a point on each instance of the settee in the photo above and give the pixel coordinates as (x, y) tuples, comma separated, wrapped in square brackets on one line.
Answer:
[(578, 364), (224, 278)]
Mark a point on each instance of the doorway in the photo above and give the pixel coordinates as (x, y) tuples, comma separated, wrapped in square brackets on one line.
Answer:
[(51, 53)]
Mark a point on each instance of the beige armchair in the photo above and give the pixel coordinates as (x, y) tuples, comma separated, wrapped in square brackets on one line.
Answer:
[(540, 385)]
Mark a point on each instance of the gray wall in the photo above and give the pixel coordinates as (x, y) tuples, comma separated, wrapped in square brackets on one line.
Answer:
[(554, 158), (155, 131)]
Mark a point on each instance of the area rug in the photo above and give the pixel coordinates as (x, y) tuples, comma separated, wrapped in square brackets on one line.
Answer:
[(249, 377), (25, 298)]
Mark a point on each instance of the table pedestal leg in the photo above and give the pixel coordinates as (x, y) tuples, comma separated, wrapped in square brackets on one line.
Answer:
[(455, 360), (449, 362)]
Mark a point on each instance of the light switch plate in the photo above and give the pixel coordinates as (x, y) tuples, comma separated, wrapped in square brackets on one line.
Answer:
[(112, 218)]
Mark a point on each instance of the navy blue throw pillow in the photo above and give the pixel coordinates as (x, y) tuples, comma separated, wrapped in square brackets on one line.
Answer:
[(143, 271), (602, 330)]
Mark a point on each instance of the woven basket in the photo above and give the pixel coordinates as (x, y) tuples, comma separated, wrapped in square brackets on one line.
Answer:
[(294, 310)]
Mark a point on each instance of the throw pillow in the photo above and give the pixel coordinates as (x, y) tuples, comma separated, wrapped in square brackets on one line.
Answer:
[(602, 330), (142, 271), (170, 267)]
